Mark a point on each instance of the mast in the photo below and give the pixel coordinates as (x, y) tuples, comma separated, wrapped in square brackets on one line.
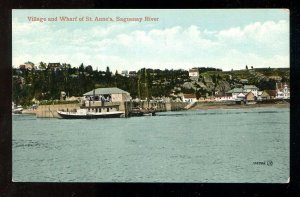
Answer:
[(139, 79), (146, 84)]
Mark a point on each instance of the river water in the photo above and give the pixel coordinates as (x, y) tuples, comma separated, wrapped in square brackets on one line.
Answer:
[(214, 146)]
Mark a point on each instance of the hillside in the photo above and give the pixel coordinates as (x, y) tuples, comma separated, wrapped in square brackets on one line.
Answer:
[(46, 83)]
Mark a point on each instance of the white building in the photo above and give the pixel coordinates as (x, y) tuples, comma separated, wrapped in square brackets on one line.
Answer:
[(194, 73), (235, 92), (224, 98), (251, 88), (27, 65), (282, 91), (124, 73), (108, 95), (239, 93), (189, 98)]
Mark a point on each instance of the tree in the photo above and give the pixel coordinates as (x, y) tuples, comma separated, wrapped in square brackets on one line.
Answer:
[(107, 72), (42, 66), (89, 69), (117, 78), (81, 68), (108, 78), (246, 67)]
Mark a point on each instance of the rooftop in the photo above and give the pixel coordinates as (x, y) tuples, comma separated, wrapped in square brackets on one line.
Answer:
[(236, 90), (250, 87), (53, 65), (193, 70), (244, 80), (189, 95), (101, 91)]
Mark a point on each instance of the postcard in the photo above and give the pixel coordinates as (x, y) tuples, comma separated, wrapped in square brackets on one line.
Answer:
[(151, 96)]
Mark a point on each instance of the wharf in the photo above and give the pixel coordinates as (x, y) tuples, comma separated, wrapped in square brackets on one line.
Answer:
[(29, 111), (50, 111), (155, 106)]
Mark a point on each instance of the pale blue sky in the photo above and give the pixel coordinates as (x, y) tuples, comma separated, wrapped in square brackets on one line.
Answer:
[(226, 39)]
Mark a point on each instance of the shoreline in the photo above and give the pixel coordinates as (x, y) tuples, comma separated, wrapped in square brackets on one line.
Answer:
[(236, 106), (29, 112), (208, 106)]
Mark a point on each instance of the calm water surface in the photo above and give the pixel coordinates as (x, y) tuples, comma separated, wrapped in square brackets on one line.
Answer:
[(223, 145)]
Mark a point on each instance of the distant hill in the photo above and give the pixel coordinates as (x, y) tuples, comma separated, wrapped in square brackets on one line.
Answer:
[(46, 83)]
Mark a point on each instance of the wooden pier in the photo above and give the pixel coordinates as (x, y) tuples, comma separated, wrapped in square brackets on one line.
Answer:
[(157, 106)]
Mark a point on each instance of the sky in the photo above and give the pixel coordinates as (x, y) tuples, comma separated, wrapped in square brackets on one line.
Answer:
[(178, 39)]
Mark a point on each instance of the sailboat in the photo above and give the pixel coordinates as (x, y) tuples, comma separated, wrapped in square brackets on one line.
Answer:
[(138, 111)]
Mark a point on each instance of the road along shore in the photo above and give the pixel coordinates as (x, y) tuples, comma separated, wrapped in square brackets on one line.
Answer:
[(235, 106)]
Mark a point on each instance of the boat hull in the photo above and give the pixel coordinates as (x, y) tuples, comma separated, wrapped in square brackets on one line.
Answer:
[(89, 116), (141, 113), (17, 111)]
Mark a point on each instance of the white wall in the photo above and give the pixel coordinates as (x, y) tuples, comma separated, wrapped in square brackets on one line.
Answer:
[(193, 74), (225, 98), (188, 99), (116, 97), (284, 94), (254, 91)]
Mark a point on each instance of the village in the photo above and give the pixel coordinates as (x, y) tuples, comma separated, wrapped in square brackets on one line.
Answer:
[(246, 93), (150, 89)]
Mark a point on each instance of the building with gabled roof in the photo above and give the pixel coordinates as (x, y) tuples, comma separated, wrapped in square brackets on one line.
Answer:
[(124, 73), (241, 92), (194, 73), (54, 65), (263, 95), (189, 98), (112, 94), (27, 65), (250, 97), (282, 91), (235, 92), (251, 88)]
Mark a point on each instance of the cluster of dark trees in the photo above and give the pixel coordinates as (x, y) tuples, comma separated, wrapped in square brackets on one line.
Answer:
[(46, 83)]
